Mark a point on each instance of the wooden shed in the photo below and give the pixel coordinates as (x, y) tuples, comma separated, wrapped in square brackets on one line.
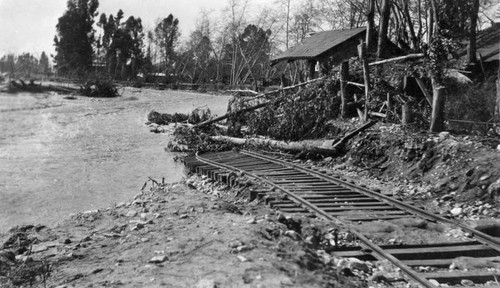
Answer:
[(334, 46)]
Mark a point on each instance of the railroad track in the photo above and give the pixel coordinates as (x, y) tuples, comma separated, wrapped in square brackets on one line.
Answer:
[(329, 196)]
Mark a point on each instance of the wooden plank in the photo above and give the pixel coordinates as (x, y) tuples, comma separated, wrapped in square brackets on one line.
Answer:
[(443, 252), (456, 277)]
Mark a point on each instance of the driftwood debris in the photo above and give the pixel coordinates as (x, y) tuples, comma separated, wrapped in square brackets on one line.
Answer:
[(20, 85), (325, 147), (260, 105)]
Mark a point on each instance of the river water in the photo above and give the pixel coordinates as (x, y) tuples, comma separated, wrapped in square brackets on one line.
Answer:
[(60, 156)]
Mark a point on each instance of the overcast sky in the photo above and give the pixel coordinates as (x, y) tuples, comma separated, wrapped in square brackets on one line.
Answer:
[(29, 25)]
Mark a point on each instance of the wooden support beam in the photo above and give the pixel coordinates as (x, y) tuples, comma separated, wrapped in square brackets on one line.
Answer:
[(497, 110), (395, 59), (355, 84), (437, 117)]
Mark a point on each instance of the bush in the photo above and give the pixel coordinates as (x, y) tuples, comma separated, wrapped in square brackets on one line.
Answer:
[(475, 103)]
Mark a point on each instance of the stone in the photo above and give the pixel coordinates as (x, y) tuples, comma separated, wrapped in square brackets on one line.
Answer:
[(444, 134), (235, 244), (356, 264), (286, 282), (24, 258), (498, 147), (242, 259), (434, 282), (184, 216), (38, 248), (252, 220), (378, 277), (456, 211), (89, 212), (131, 213), (243, 248), (206, 283), (292, 234), (466, 282), (158, 259)]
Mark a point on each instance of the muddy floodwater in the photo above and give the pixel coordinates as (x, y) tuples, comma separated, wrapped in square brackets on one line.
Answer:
[(61, 156)]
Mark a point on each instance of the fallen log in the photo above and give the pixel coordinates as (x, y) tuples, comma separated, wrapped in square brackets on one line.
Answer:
[(311, 146)]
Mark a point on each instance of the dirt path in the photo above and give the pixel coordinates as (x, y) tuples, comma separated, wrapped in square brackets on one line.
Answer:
[(62, 156)]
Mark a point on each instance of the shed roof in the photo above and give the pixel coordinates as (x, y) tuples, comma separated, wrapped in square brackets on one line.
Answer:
[(487, 43), (318, 44)]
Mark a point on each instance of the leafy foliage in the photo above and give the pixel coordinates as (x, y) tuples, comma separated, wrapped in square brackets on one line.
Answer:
[(122, 43), (75, 37), (295, 116), (25, 66), (166, 35)]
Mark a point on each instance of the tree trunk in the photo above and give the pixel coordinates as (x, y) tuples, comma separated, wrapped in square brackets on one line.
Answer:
[(370, 15), (435, 21), (384, 26), (311, 146), (437, 117), (472, 33), (327, 147), (344, 76)]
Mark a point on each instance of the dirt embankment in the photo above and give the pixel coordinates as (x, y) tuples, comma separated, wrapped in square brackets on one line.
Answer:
[(450, 171), (172, 236)]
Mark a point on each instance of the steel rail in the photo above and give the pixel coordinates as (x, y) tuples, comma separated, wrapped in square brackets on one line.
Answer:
[(480, 236), (375, 248)]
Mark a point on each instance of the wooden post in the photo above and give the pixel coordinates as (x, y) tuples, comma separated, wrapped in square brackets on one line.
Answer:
[(437, 117), (310, 69), (366, 75), (497, 110), (406, 116), (344, 76), (389, 102)]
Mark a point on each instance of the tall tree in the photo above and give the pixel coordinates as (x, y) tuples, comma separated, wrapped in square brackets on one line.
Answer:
[(75, 37), (44, 63), (122, 43), (383, 28), (472, 33), (166, 37)]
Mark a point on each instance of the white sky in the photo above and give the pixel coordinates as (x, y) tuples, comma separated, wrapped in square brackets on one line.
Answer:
[(29, 25)]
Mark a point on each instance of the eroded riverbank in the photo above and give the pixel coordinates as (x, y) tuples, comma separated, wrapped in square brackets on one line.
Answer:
[(61, 156)]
